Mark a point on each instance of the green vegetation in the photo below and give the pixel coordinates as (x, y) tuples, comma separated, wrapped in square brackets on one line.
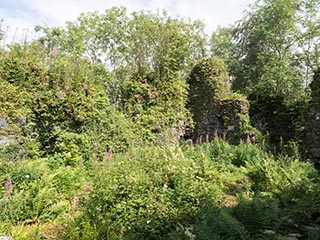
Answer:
[(208, 191), (93, 116)]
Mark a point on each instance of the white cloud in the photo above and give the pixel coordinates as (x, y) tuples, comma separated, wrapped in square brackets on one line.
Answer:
[(17, 26), (56, 12)]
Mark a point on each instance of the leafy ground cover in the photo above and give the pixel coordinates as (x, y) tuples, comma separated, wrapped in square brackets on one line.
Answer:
[(91, 118), (208, 191)]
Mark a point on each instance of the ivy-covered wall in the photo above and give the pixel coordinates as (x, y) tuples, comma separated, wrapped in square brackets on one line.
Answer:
[(278, 118), (59, 104), (215, 108), (313, 128), (225, 118)]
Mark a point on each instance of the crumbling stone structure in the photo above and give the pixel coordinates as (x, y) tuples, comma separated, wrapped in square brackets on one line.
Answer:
[(216, 109), (226, 118), (313, 128)]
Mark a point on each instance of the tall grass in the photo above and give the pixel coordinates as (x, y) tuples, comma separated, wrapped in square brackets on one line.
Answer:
[(207, 191)]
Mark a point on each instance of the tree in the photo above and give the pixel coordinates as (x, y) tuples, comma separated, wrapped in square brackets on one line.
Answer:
[(309, 38), (125, 45), (272, 49), (145, 57), (222, 44), (265, 49), (58, 100)]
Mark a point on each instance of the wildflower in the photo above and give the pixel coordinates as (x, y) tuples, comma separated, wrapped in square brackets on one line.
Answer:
[(133, 155), (207, 138), (12, 159), (107, 155), (95, 149), (241, 141), (165, 187), (21, 153), (8, 185), (190, 142)]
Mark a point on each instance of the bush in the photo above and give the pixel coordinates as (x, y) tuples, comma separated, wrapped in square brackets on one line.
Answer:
[(148, 194)]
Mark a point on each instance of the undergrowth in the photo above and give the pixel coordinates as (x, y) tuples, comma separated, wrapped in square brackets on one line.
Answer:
[(208, 191)]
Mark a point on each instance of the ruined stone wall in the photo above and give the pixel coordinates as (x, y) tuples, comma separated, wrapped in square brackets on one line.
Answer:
[(216, 109), (10, 129), (312, 141), (223, 117)]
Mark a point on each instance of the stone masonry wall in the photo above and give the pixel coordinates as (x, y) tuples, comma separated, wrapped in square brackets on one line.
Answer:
[(313, 129), (223, 117)]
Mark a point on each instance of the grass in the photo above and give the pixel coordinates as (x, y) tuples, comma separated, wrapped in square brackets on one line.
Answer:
[(208, 191)]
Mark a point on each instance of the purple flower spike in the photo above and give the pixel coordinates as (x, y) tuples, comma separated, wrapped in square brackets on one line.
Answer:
[(8, 186), (95, 149)]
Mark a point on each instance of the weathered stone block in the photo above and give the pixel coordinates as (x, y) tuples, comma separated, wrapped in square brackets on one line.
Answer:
[(3, 122)]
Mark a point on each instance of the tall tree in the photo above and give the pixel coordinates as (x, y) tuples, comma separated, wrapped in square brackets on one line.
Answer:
[(146, 57), (309, 38), (139, 42), (272, 49), (265, 40)]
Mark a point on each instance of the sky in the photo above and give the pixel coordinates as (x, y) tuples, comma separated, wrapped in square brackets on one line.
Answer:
[(20, 16)]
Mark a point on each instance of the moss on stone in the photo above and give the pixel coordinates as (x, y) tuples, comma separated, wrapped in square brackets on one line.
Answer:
[(215, 108)]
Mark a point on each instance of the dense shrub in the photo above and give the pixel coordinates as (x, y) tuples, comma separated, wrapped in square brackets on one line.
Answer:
[(58, 96), (208, 191), (157, 105), (147, 194), (282, 120), (198, 192), (91, 153)]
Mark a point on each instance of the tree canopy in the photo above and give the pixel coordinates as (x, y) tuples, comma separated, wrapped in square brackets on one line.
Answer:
[(273, 48)]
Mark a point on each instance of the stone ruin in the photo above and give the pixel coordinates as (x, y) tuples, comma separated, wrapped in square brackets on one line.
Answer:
[(217, 111), (312, 139), (224, 118), (10, 129)]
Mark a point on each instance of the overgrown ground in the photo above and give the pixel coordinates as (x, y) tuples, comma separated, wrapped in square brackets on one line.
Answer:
[(91, 116), (207, 191)]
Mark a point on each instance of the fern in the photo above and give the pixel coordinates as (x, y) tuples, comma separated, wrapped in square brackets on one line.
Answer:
[(216, 224), (313, 232), (259, 215)]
